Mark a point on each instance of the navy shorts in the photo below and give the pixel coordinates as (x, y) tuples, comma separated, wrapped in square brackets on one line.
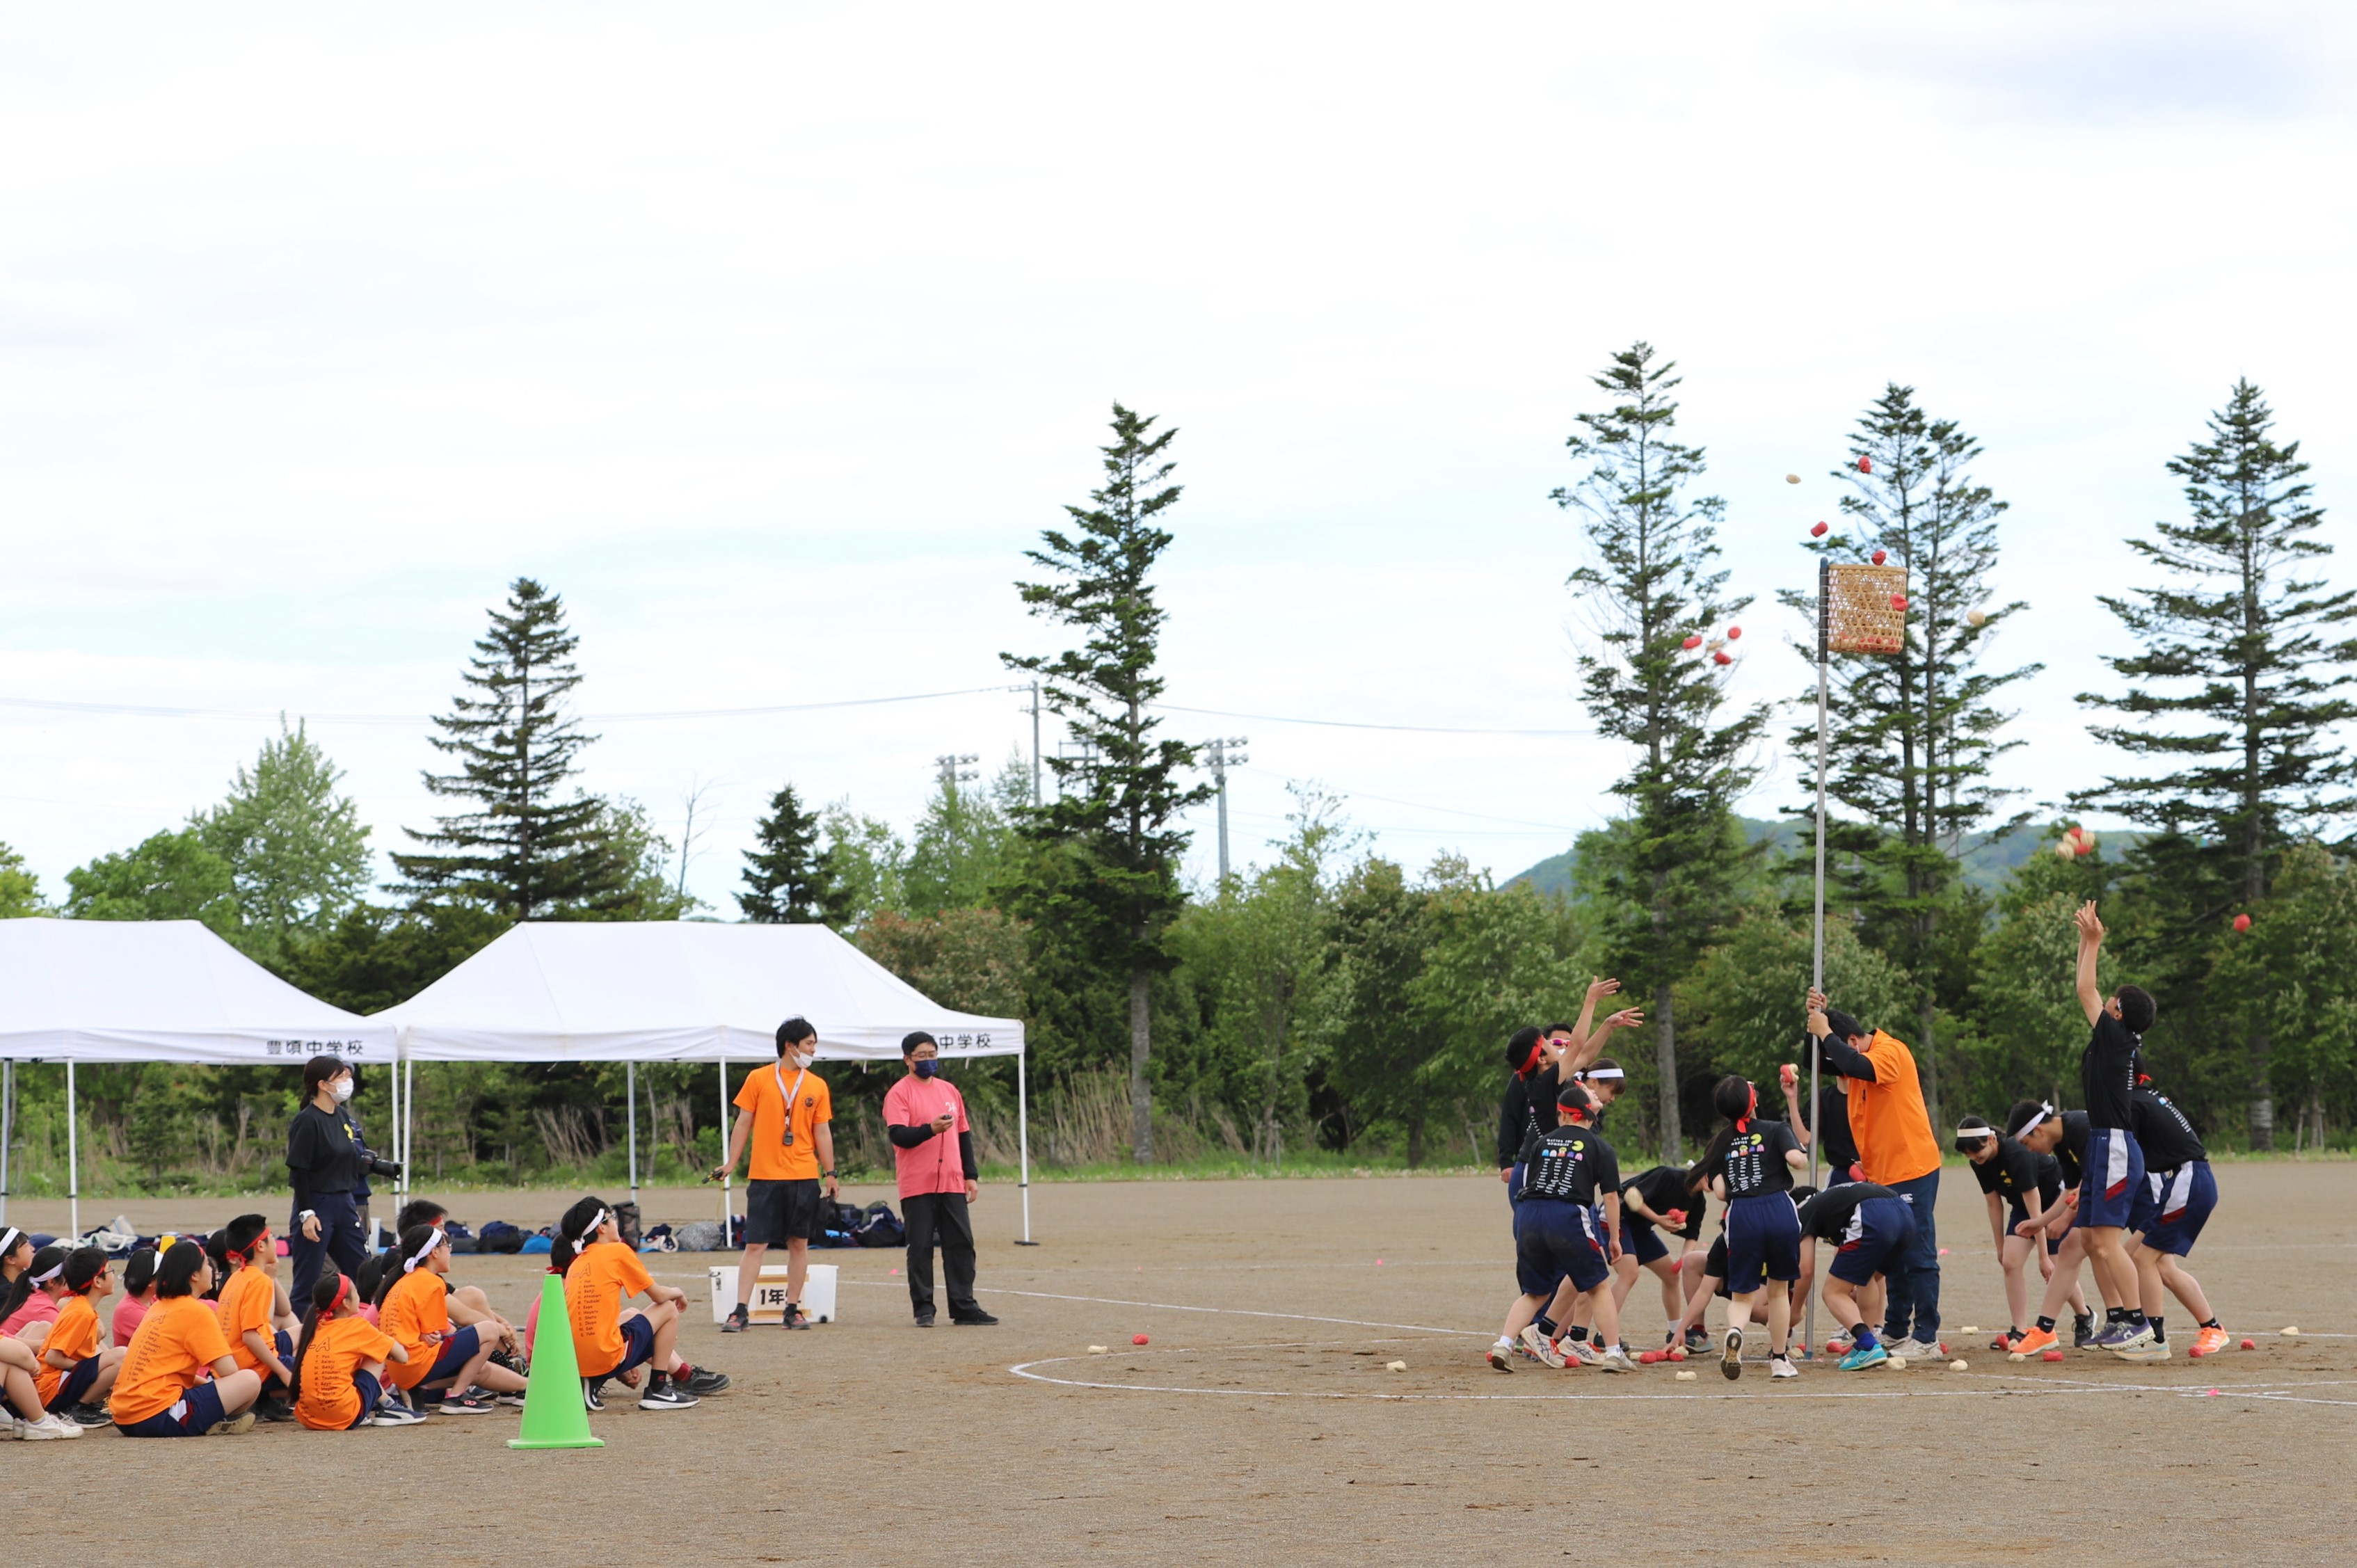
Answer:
[(77, 1383), (1553, 1240), (457, 1351), (197, 1413), (2176, 1205), (2113, 1174), (1640, 1240), (1881, 1227), (1764, 1238), (365, 1385), (637, 1344)]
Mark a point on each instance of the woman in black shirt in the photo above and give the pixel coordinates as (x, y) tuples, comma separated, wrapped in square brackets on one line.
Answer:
[(323, 1160), (2021, 1185)]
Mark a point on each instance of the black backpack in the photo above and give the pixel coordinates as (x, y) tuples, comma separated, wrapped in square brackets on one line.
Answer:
[(880, 1227)]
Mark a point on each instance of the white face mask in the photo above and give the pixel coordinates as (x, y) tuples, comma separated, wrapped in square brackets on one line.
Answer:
[(341, 1088), (802, 1063)]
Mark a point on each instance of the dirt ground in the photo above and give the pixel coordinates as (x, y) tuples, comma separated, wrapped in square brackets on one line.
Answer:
[(1260, 1423)]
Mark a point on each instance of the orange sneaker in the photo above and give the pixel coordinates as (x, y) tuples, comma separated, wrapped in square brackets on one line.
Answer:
[(2031, 1343), (2210, 1341)]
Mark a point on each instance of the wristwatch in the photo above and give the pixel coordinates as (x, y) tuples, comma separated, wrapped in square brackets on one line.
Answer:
[(828, 1176)]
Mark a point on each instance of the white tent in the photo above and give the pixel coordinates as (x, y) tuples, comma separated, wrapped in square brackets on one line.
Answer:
[(677, 992), (142, 991)]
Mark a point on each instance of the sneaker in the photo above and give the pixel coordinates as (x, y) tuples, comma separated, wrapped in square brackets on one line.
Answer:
[(237, 1426), (274, 1411), (1582, 1352), (515, 1361), (1730, 1355), (2006, 1342), (2142, 1345), (469, 1401), (2111, 1336), (662, 1393), (392, 1412), (513, 1397), (2209, 1342), (1782, 1366), (2036, 1340), (1913, 1350), (91, 1415), (739, 1319), (1871, 1356), (2083, 1332), (593, 1392), (701, 1380), (11, 1428), (793, 1316), (924, 1320), (1615, 1360), (1540, 1347), (1501, 1355), (1697, 1342), (977, 1318), (50, 1426)]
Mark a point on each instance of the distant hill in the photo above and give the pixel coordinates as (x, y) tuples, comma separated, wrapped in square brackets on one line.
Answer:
[(1987, 860)]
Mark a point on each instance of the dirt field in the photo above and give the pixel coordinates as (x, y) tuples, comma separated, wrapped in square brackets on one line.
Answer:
[(1259, 1425)]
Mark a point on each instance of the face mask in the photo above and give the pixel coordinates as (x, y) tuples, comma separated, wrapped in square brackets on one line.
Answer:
[(341, 1088), (803, 1064), (927, 1069)]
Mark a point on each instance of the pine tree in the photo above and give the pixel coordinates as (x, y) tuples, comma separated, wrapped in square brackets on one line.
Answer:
[(1913, 737), (523, 851), (296, 850), (1665, 875), (2244, 676), (787, 880), (1116, 809)]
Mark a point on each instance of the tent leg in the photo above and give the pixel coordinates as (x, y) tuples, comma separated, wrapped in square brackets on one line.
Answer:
[(408, 1118), (7, 1129), (73, 1161), (727, 1177), (1022, 1141), (631, 1100)]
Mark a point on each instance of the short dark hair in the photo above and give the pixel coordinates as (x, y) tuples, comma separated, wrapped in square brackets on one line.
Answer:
[(1520, 1043), (83, 1266), (322, 1070), (2137, 1009), (1843, 1026), (915, 1038), (177, 1276), (2027, 1114), (1574, 1096), (1557, 1029), (418, 1211), (242, 1233), (140, 1272), (793, 1032)]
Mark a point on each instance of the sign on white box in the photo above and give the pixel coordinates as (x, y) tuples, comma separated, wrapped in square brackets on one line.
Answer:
[(770, 1293)]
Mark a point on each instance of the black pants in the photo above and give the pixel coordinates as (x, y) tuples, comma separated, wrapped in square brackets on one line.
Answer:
[(940, 1216), (340, 1242)]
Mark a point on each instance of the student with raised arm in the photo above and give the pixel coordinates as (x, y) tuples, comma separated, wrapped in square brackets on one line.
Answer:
[(2113, 1166)]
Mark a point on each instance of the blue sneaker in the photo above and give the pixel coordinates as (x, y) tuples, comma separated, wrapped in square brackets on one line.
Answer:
[(1872, 1356)]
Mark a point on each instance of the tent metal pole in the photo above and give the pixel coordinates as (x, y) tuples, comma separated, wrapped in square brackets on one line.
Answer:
[(408, 1114), (727, 1203), (7, 1128), (1023, 1138), (630, 1099), (73, 1159), (1817, 964)]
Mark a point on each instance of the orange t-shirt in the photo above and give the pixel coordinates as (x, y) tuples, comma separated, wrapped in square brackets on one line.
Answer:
[(596, 1284), (74, 1334), (179, 1339), (417, 1306), (1887, 1117), (247, 1302), (764, 1094), (328, 1402)]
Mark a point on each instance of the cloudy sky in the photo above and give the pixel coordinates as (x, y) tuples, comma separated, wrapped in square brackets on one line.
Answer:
[(771, 335)]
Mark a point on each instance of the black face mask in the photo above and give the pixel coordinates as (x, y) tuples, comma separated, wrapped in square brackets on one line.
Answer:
[(927, 1069)]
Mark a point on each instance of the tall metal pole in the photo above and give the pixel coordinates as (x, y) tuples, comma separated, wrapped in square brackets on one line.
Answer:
[(1817, 962), (73, 1159), (1036, 799), (7, 1128), (1022, 1141), (1222, 757), (727, 1203), (631, 1100)]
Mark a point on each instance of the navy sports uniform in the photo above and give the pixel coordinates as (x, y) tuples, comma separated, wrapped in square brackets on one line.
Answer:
[(2178, 1190), (1663, 1188), (1763, 1229), (1555, 1222), (2113, 1164), (1868, 1224)]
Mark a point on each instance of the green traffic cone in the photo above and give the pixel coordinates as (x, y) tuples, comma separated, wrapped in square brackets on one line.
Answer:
[(554, 1415)]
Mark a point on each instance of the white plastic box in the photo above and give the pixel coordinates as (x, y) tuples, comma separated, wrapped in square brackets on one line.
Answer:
[(769, 1304)]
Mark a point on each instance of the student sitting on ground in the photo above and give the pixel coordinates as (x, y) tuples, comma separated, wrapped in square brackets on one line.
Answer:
[(76, 1374), (138, 1295), (340, 1364), (159, 1392), (454, 1364), (248, 1305), (611, 1338), (31, 1304)]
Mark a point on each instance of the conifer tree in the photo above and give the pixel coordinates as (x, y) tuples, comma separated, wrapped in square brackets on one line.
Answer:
[(297, 849), (1664, 875), (787, 879), (2244, 677), (1115, 818), (521, 852), (1912, 738)]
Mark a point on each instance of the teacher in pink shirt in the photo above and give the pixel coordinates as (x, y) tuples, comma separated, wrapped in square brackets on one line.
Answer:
[(925, 1117)]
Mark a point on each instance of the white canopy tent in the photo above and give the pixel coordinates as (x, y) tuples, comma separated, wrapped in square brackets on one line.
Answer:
[(679, 992), (143, 991)]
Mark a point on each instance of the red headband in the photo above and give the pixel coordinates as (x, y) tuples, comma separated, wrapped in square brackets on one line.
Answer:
[(343, 1289), (1743, 1122), (1538, 1048)]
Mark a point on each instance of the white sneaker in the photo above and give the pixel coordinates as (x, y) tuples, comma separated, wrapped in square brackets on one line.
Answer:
[(1583, 1351), (2141, 1346), (1615, 1360), (1501, 1355), (10, 1427), (392, 1412), (48, 1426), (1914, 1349), (1782, 1366), (1541, 1347)]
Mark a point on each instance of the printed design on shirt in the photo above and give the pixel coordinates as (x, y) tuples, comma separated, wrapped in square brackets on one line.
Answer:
[(1559, 1170), (1747, 1162)]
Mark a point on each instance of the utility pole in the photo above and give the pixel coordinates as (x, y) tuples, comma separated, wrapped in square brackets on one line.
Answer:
[(1079, 751), (1037, 799), (1222, 759), (951, 770)]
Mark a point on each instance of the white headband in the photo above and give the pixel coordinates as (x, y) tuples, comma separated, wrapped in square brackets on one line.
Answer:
[(2045, 1109), (590, 1234), (1975, 1132), (1598, 1074), (8, 1239), (408, 1264), (53, 1273)]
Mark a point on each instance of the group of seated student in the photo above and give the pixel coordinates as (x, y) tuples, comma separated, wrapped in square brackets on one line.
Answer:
[(205, 1341)]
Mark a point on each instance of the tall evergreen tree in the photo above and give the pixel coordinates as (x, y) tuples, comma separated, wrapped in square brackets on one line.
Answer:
[(20, 890), (1115, 816), (959, 855), (1913, 737), (521, 852), (1666, 876), (787, 879), (2244, 677), (297, 849)]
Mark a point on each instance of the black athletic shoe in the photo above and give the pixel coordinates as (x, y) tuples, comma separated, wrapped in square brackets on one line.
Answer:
[(274, 1411), (977, 1318), (90, 1416), (924, 1320), (794, 1317), (514, 1361), (738, 1321), (593, 1392), (701, 1380), (2083, 1332)]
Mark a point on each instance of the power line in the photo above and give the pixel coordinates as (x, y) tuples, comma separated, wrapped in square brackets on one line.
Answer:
[(151, 710), (1354, 723)]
